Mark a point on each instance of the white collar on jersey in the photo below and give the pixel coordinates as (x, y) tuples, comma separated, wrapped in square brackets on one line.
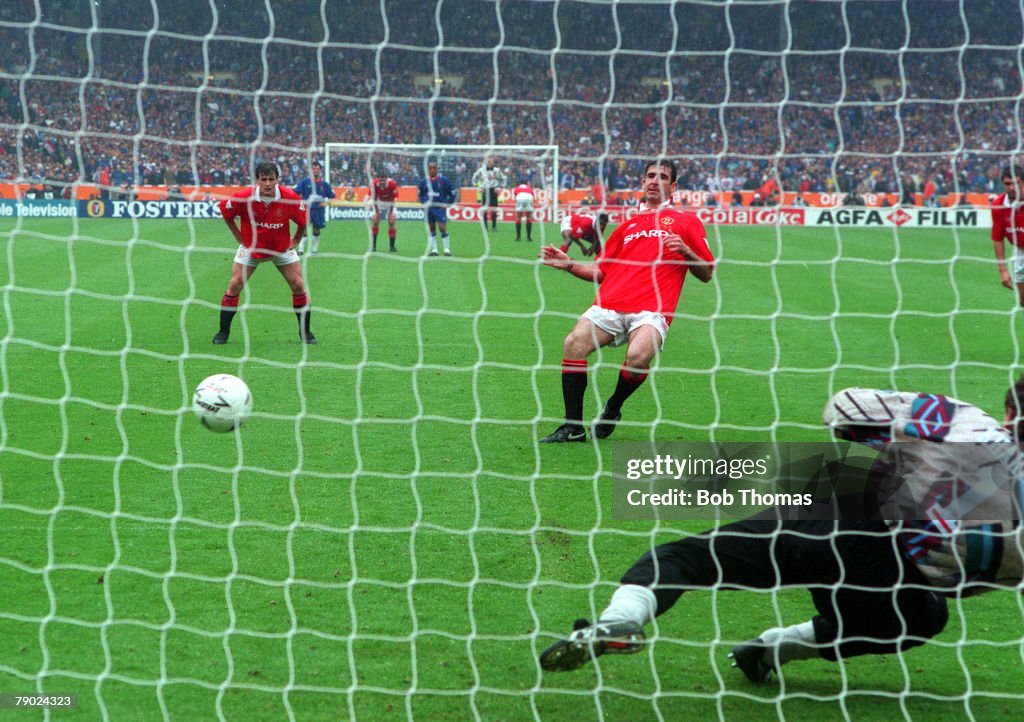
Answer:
[(644, 208), (277, 194)]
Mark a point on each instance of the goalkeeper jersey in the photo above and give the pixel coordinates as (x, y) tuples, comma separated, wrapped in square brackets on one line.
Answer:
[(951, 485)]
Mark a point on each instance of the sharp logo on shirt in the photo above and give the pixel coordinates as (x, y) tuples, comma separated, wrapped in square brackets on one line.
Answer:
[(652, 233), (262, 224)]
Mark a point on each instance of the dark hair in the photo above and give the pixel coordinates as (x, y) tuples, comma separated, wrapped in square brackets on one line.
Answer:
[(317, 164), (267, 168), (1013, 171), (664, 163), (602, 218)]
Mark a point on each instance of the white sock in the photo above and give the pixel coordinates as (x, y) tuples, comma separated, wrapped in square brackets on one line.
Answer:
[(432, 244), (794, 642), (630, 603), (445, 239), (315, 242)]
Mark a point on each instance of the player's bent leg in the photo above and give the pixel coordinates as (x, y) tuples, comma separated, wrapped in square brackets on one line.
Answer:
[(292, 273), (582, 341), (240, 273), (644, 343), (737, 556)]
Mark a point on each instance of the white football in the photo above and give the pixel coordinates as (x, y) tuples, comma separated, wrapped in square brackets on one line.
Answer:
[(222, 402)]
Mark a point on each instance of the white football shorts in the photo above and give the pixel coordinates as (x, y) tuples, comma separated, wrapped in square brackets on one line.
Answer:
[(244, 256), (1018, 265), (524, 202), (384, 208), (620, 325)]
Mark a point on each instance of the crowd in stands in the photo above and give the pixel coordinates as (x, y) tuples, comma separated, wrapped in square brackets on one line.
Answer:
[(857, 98)]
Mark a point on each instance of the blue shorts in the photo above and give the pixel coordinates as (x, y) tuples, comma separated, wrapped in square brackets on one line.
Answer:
[(318, 217), (438, 215)]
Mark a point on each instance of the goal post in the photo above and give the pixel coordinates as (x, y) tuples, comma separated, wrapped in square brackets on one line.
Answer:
[(352, 166)]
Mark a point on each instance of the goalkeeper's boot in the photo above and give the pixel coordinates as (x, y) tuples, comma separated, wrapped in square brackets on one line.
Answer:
[(605, 425), (221, 337), (752, 659), (565, 432), (589, 641)]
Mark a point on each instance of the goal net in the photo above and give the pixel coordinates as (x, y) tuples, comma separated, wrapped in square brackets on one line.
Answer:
[(387, 535)]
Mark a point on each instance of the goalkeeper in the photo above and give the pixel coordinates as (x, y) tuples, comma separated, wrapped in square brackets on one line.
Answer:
[(879, 586)]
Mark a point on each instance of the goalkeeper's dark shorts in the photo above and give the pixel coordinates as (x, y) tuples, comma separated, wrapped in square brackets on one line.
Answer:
[(869, 600)]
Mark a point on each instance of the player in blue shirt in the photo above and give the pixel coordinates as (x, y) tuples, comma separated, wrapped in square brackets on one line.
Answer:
[(315, 191), (436, 193)]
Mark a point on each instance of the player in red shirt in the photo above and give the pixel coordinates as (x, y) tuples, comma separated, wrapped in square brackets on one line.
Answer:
[(384, 192), (581, 227), (265, 212), (523, 195), (641, 273), (1008, 225)]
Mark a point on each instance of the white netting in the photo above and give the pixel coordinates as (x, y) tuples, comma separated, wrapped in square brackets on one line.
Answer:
[(387, 536)]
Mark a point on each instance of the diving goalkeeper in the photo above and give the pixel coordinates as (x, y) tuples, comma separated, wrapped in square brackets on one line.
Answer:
[(879, 584)]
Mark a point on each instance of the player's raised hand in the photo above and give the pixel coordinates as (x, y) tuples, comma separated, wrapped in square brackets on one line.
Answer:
[(555, 257)]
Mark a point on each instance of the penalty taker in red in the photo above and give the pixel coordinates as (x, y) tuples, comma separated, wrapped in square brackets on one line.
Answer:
[(265, 212)]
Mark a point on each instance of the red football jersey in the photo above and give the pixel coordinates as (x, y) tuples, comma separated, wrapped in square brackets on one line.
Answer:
[(265, 225), (1008, 221), (582, 225), (385, 190), (640, 274), (522, 188)]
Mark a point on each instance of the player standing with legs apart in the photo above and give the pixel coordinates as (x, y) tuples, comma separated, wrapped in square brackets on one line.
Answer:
[(384, 192), (489, 180), (1008, 225), (265, 211), (315, 191), (437, 194), (944, 497), (641, 274), (523, 195), (580, 227)]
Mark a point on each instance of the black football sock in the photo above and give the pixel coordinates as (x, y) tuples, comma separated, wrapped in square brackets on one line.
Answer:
[(629, 381), (300, 304), (228, 309), (574, 386)]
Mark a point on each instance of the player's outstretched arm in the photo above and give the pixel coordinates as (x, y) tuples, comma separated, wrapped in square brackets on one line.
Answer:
[(557, 258)]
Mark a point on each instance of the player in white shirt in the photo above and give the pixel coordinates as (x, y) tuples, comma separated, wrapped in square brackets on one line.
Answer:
[(489, 180)]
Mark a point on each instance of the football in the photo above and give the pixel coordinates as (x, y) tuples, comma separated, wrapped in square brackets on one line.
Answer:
[(222, 402)]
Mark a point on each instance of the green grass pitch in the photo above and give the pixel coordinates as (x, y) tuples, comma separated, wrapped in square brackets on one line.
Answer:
[(385, 537)]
